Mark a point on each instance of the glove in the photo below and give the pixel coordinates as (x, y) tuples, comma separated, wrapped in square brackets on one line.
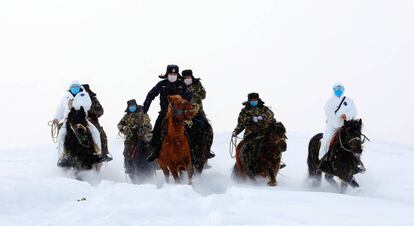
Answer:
[(55, 122), (257, 118)]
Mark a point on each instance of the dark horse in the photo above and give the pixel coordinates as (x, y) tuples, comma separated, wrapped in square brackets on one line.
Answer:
[(79, 145), (175, 154), (260, 154), (343, 157), (135, 159), (201, 138)]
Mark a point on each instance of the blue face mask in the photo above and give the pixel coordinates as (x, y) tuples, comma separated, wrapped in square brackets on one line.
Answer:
[(254, 103), (132, 109), (339, 91), (75, 90)]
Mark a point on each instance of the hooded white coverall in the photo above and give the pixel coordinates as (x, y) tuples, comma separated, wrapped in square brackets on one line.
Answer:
[(82, 99), (334, 120)]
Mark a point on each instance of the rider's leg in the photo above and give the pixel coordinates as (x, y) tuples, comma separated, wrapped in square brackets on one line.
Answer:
[(96, 136), (104, 141), (63, 157), (326, 140), (156, 138)]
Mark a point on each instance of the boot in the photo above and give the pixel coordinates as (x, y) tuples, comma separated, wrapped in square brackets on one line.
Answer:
[(64, 162)]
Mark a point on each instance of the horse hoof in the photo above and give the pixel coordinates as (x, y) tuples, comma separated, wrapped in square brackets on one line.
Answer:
[(272, 184)]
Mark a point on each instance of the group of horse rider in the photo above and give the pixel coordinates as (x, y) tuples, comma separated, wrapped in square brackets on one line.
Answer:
[(253, 118)]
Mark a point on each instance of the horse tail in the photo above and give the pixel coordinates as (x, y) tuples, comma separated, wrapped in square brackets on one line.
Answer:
[(235, 173), (313, 154)]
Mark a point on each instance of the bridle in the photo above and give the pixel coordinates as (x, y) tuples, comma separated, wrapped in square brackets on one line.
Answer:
[(179, 112), (284, 138), (352, 140), (76, 127)]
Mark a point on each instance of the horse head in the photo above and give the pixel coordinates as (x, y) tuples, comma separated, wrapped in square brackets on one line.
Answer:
[(181, 109), (78, 123), (276, 131), (351, 137)]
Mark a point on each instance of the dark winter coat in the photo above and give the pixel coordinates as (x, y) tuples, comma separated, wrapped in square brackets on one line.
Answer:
[(166, 88)]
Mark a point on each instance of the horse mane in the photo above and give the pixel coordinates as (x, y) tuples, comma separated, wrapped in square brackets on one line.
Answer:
[(355, 124)]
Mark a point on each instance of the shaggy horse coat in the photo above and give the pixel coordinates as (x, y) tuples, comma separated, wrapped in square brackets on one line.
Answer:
[(175, 155), (260, 154), (343, 157), (79, 145)]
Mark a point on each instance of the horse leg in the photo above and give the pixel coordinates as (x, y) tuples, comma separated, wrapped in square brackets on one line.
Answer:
[(166, 173), (190, 171), (330, 179), (98, 167), (272, 176), (344, 186), (175, 174)]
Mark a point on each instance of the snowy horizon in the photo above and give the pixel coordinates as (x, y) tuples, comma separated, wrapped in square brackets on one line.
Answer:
[(290, 52)]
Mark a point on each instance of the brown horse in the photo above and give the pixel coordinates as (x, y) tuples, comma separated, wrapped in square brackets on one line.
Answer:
[(263, 160), (175, 154)]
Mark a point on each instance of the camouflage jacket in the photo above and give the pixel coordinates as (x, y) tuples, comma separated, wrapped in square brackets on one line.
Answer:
[(246, 119), (136, 125), (198, 91), (96, 110)]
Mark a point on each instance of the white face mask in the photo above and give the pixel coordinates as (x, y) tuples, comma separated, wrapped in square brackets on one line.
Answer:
[(172, 78), (188, 81)]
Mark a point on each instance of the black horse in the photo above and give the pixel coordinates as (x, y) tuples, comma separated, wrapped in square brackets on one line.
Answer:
[(79, 145), (260, 154), (136, 152), (200, 135), (343, 158)]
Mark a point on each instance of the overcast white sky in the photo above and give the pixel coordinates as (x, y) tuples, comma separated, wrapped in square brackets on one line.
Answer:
[(291, 52)]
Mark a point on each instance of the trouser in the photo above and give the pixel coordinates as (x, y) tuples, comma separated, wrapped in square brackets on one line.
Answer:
[(104, 138), (157, 132), (326, 140), (62, 135), (200, 132)]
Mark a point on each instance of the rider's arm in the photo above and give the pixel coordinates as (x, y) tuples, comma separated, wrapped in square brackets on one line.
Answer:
[(154, 92), (350, 110), (121, 125), (185, 93), (59, 113), (202, 92), (268, 116), (240, 123), (96, 108), (330, 111), (146, 130)]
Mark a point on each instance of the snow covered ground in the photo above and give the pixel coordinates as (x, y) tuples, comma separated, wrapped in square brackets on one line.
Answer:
[(34, 191)]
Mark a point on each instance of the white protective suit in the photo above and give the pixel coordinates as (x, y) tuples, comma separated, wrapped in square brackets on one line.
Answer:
[(334, 120), (82, 99)]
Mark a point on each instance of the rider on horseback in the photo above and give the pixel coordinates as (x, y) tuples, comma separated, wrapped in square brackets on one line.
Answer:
[(200, 122), (76, 97), (135, 126), (338, 109), (254, 117), (94, 114), (170, 85)]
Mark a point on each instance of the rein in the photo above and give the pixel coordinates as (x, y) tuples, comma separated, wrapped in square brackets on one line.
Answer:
[(54, 131), (355, 138), (233, 146)]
